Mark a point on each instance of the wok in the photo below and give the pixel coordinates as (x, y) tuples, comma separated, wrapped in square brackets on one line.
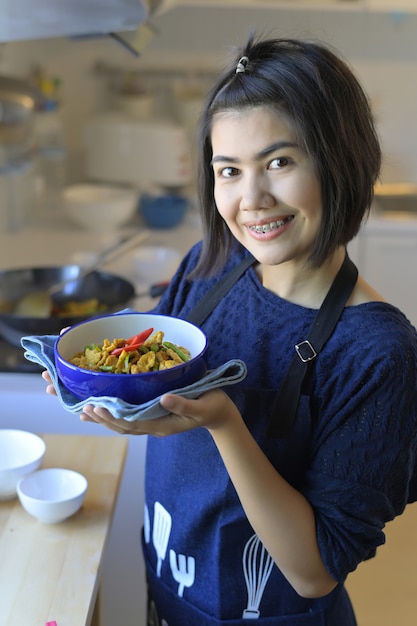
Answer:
[(111, 290)]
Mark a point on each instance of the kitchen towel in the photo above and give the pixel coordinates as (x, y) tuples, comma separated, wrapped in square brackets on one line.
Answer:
[(40, 349)]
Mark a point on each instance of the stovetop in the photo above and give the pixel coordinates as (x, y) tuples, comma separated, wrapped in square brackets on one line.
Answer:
[(12, 360)]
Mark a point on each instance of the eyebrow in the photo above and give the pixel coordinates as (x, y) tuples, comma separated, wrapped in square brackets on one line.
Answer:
[(278, 145)]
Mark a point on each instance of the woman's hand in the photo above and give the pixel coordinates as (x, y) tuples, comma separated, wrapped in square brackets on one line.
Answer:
[(211, 410), (45, 375)]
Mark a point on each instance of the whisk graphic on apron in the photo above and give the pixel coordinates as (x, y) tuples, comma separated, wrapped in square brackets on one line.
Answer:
[(257, 567)]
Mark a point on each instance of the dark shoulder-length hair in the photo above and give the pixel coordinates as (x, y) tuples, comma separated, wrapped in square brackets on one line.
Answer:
[(331, 118)]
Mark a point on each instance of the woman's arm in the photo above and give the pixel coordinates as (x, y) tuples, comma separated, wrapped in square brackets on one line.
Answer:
[(279, 514)]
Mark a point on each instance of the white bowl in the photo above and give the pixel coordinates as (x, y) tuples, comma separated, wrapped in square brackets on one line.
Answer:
[(153, 264), (21, 452), (52, 495), (100, 208)]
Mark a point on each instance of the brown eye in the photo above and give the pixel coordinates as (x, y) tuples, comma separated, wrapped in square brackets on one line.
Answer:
[(278, 162), (228, 172)]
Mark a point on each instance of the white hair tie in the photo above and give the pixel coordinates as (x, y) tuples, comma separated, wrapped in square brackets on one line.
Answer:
[(241, 65)]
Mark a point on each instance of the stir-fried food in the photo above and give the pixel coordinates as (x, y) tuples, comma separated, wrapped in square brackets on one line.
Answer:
[(122, 356), (75, 308)]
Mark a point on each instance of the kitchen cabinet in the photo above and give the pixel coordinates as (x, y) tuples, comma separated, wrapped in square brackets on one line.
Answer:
[(390, 263), (386, 254), (392, 6)]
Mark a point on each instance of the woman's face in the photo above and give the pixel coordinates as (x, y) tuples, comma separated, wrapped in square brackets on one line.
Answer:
[(266, 187)]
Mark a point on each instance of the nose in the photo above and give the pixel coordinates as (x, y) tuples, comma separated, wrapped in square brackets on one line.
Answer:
[(255, 194)]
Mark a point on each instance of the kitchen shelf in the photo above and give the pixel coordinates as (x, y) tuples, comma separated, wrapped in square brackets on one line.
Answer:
[(396, 7), (271, 4)]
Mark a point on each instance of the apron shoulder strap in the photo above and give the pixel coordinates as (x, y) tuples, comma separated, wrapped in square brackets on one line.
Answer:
[(286, 401), (212, 298)]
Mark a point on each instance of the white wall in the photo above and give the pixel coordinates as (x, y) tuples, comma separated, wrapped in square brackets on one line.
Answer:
[(381, 47)]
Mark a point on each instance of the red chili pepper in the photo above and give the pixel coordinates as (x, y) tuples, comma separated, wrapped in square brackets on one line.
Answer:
[(129, 348), (140, 338), (134, 342)]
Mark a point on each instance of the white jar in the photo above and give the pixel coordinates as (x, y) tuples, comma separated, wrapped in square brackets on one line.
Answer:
[(51, 159), (17, 193)]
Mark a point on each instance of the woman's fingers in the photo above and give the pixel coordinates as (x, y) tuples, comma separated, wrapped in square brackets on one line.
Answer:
[(50, 389), (45, 375)]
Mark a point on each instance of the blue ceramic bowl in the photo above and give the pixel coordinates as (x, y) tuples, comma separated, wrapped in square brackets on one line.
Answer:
[(133, 388), (163, 211)]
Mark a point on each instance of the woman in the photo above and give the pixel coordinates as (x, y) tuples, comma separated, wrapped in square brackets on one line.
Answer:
[(262, 504)]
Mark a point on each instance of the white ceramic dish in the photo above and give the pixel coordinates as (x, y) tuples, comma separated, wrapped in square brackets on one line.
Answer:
[(98, 207), (21, 452), (52, 495), (154, 264)]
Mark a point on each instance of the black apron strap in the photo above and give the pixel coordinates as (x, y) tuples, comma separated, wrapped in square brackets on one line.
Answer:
[(212, 298), (286, 402)]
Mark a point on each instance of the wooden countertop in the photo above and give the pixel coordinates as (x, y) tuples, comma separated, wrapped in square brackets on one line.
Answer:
[(51, 571)]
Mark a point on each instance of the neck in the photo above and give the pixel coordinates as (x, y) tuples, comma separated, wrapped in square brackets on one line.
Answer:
[(304, 286)]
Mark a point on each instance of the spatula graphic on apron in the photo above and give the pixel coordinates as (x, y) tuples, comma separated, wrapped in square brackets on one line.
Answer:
[(162, 523)]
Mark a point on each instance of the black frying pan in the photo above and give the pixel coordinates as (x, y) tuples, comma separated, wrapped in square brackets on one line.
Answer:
[(111, 291)]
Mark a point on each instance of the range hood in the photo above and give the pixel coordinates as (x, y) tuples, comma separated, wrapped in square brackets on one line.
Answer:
[(38, 19)]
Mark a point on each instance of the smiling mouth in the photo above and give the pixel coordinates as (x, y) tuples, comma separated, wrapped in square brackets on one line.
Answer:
[(269, 226)]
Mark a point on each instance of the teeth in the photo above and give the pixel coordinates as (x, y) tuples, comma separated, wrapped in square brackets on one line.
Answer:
[(266, 228)]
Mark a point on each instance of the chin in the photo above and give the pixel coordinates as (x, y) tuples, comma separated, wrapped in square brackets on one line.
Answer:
[(270, 259)]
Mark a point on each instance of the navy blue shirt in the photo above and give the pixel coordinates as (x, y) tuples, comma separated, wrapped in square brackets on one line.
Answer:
[(352, 453)]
